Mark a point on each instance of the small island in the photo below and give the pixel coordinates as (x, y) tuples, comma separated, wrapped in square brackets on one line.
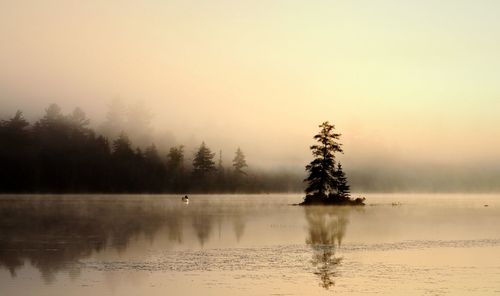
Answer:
[(327, 182)]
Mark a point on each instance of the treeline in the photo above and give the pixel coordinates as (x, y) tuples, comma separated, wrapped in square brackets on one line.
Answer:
[(61, 153)]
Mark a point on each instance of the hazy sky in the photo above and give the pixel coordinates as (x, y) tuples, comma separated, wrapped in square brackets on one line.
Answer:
[(404, 81)]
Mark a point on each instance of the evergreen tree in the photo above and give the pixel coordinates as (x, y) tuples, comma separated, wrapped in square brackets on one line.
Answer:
[(14, 132), (139, 156), (52, 122), (77, 150), (221, 171), (155, 172), (220, 167), (343, 188), (98, 165), (122, 148), (16, 124), (221, 182), (322, 179), (55, 156), (175, 159), (124, 165), (203, 162), (239, 162), (17, 154), (175, 169), (151, 154)]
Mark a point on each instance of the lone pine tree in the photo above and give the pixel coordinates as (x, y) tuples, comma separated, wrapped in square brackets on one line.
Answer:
[(327, 183), (322, 179)]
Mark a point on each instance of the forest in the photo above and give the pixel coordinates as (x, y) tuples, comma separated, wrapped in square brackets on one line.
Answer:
[(61, 153), (66, 153)]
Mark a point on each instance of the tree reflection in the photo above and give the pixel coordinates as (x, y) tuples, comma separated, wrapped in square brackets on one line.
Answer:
[(238, 225), (326, 230), (203, 224), (54, 234)]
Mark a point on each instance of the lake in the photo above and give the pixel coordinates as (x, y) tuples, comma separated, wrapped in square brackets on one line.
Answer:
[(399, 244)]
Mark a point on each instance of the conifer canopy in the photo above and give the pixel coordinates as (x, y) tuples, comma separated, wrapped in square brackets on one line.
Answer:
[(326, 180)]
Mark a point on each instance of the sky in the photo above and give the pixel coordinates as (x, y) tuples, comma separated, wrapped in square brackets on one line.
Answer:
[(405, 82)]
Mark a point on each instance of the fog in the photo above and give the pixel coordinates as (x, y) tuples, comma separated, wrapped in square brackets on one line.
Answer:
[(417, 103)]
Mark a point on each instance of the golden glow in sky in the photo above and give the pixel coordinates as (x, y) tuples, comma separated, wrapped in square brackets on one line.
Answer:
[(412, 80)]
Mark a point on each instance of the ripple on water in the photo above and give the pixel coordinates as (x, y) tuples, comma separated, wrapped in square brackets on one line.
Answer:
[(281, 257)]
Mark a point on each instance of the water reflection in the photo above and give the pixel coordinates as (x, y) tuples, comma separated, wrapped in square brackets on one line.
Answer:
[(58, 234), (326, 230), (54, 236), (238, 222), (202, 224), (250, 244)]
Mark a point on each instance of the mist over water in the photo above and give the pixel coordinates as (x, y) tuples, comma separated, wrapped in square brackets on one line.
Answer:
[(248, 244), (172, 147)]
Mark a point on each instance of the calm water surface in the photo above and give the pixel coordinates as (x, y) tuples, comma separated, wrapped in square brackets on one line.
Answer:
[(248, 245)]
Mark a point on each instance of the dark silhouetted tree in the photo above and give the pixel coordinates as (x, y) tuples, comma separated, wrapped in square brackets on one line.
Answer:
[(78, 149), (322, 179), (203, 169), (154, 170), (16, 124), (98, 167), (175, 169), (53, 136), (203, 162), (343, 188), (125, 167), (175, 159), (17, 155), (122, 147), (151, 154)]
